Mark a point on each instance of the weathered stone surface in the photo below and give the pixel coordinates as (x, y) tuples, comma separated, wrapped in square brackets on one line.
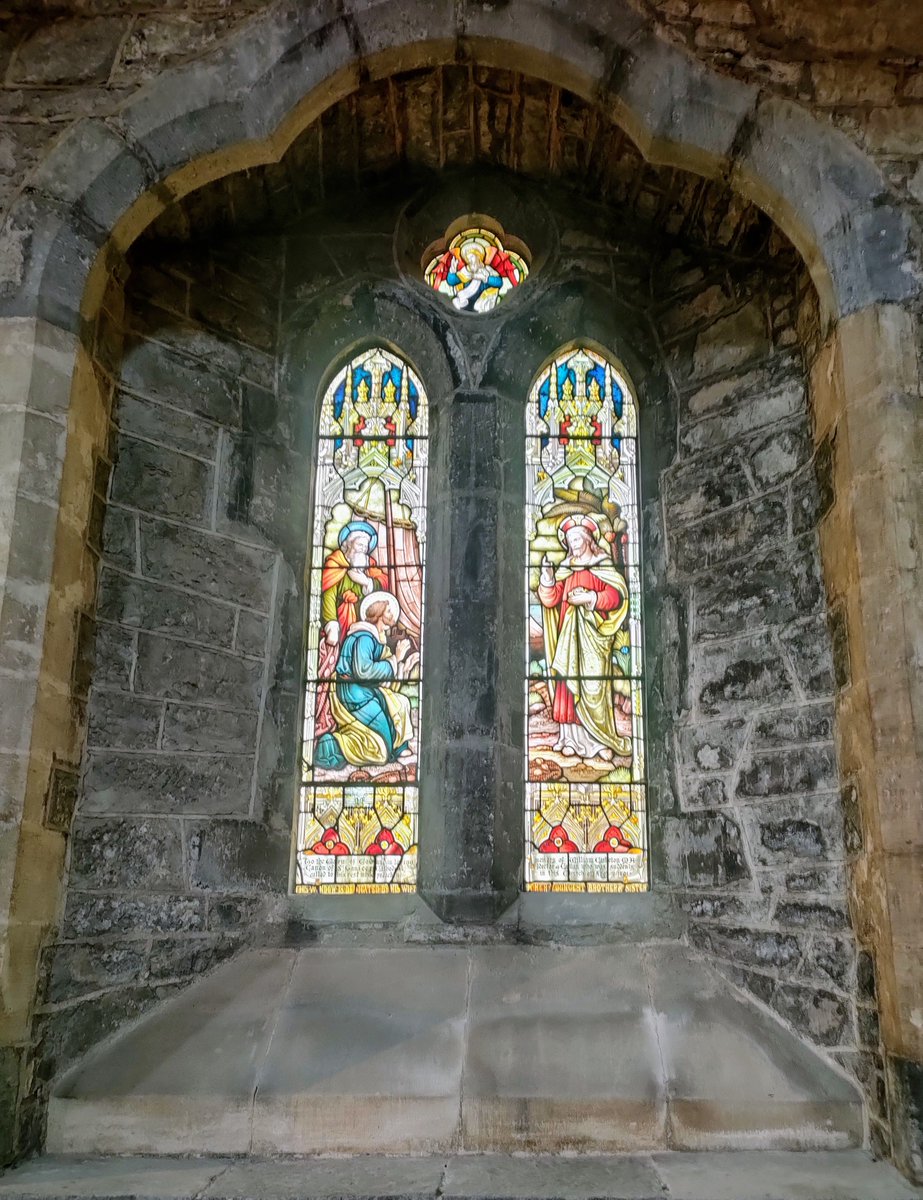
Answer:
[(749, 670), (768, 590), (142, 418), (713, 745), (72, 51), (790, 831), (216, 565), (729, 534), (160, 372), (165, 783), (713, 851), (732, 341), (809, 651), (691, 491), (811, 723), (188, 727), (87, 967), (789, 772), (113, 656), (822, 1014), (753, 947), (182, 958), (183, 672), (123, 722), (89, 915), (237, 856), (161, 481), (137, 854), (812, 915), (157, 609), (735, 421)]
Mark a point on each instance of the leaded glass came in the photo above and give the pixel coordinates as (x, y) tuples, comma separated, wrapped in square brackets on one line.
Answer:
[(357, 828), (585, 790)]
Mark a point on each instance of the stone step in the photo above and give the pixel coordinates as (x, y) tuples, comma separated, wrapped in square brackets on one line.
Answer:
[(438, 1050), (729, 1175)]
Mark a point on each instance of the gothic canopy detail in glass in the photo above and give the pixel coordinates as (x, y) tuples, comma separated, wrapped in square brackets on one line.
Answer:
[(476, 271), (585, 789), (357, 826)]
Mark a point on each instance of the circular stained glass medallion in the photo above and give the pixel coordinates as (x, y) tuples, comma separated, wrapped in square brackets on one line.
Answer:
[(476, 271)]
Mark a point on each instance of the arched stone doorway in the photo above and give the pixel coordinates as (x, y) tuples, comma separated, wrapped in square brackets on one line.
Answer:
[(828, 200)]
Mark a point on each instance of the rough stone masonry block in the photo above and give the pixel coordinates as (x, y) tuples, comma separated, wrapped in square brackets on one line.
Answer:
[(770, 589), (183, 672), (738, 416), (790, 772), (760, 948), (158, 609), (191, 384), (729, 534), (141, 854), (161, 481), (122, 722), (713, 850), (734, 676), (732, 341), (796, 832), (90, 915), (217, 565), (70, 51), (238, 856), (166, 783)]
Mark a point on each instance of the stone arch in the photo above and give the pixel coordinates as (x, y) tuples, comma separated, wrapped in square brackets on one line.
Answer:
[(106, 180)]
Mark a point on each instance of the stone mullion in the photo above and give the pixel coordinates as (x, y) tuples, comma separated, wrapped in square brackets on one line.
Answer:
[(458, 833)]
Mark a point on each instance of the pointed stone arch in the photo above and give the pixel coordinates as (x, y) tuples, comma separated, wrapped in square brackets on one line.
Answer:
[(104, 181)]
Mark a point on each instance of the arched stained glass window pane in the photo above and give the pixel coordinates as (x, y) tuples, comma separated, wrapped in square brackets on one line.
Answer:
[(585, 793), (357, 829)]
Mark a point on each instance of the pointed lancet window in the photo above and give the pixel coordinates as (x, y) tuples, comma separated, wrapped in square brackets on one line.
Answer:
[(586, 826), (357, 824)]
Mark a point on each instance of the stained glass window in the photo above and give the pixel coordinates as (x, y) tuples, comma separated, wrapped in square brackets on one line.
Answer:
[(476, 270), (585, 790), (357, 828)]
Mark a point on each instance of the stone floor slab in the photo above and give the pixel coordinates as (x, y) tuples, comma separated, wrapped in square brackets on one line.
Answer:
[(781, 1175), (757, 1175), (330, 1179), (550, 1177), (62, 1178)]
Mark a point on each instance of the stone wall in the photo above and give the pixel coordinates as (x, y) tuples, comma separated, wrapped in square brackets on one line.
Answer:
[(180, 851), (180, 733), (761, 838), (90, 67)]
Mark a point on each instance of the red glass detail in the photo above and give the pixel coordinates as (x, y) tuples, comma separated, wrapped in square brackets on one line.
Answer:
[(385, 844), (330, 844), (557, 842), (614, 842)]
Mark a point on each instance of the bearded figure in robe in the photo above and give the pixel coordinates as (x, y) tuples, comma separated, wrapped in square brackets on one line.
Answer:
[(372, 718), (350, 574), (584, 604)]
